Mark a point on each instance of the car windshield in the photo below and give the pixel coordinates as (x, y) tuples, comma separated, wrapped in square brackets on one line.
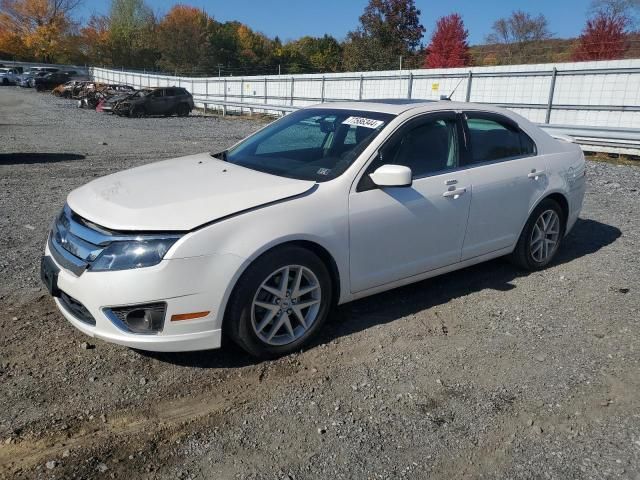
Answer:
[(310, 144)]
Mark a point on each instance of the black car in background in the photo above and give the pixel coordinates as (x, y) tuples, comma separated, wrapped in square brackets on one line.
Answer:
[(50, 80), (157, 101)]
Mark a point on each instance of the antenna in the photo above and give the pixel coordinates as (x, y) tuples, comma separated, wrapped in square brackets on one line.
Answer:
[(445, 97)]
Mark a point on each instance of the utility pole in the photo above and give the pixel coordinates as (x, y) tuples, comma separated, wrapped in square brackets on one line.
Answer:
[(278, 69), (400, 62), (219, 70)]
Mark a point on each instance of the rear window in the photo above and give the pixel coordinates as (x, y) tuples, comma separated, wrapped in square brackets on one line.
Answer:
[(494, 140)]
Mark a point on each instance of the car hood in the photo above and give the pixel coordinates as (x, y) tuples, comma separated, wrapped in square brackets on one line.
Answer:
[(179, 194), (116, 98)]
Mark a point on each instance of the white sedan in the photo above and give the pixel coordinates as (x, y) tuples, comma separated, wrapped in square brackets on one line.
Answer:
[(326, 205)]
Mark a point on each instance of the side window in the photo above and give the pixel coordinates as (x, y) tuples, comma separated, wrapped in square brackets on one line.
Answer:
[(428, 147), (493, 140), (158, 93), (170, 92)]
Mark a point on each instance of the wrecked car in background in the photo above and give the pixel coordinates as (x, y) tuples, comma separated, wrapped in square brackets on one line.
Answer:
[(112, 103), (93, 94), (157, 101), (70, 89), (50, 81)]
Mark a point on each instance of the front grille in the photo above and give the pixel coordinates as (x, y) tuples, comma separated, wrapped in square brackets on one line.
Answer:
[(73, 244), (77, 309)]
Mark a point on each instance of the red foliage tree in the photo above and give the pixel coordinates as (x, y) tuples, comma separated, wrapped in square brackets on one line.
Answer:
[(603, 38), (449, 47)]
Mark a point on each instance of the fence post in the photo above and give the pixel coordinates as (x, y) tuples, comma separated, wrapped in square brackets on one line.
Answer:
[(293, 80), (469, 81), (361, 85), (410, 86), (265, 91), (206, 94), (224, 85), (241, 93), (552, 89), (322, 90)]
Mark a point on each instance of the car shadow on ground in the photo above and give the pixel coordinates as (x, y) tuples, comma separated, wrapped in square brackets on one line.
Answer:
[(586, 238), (31, 158)]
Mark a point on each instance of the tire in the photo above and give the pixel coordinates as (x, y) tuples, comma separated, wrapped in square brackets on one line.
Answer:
[(5, 82), (532, 251), (244, 318), (137, 112), (183, 110)]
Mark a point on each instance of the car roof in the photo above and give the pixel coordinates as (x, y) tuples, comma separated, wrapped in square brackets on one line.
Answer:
[(396, 106)]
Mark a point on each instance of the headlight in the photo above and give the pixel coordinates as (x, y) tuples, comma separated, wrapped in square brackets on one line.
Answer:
[(132, 254)]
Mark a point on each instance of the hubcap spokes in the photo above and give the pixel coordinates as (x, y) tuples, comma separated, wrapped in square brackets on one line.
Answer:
[(286, 305), (544, 238)]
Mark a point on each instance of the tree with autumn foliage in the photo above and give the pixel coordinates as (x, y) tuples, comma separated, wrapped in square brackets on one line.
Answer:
[(38, 29), (182, 38), (449, 47), (94, 40), (605, 35)]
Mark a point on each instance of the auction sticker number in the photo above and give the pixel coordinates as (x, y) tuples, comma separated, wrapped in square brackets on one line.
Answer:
[(363, 122)]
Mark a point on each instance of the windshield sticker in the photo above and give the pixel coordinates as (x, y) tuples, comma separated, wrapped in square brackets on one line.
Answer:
[(324, 171), (363, 122)]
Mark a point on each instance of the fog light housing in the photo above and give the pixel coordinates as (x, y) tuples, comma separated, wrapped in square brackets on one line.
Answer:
[(143, 319)]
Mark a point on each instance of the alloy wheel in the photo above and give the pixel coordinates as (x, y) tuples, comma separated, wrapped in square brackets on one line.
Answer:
[(286, 305), (545, 236)]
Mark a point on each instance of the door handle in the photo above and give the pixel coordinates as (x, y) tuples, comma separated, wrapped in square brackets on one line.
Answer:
[(535, 175), (454, 193)]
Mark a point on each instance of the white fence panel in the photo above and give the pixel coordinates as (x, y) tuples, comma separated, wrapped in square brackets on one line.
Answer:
[(598, 94)]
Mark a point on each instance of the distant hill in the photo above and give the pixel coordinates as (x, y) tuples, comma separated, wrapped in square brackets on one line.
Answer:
[(555, 50)]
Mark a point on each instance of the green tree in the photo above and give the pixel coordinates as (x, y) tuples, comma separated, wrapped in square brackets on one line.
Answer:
[(132, 34), (311, 55), (388, 30)]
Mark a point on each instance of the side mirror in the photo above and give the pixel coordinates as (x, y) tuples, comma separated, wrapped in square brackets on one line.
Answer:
[(392, 176)]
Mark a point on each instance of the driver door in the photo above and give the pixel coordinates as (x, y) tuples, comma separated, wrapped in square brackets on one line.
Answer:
[(400, 232)]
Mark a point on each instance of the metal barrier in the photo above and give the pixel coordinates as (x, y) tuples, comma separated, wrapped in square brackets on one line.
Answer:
[(597, 103)]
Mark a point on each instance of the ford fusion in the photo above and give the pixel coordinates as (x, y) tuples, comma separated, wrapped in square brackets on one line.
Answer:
[(323, 206)]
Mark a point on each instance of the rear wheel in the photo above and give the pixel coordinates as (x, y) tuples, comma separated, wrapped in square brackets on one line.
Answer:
[(5, 81), (183, 110), (279, 303), (541, 237)]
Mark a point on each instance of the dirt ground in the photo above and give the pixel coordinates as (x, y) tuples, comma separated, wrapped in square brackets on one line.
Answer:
[(483, 373)]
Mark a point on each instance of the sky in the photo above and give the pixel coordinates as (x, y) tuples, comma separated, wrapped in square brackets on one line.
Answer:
[(291, 19)]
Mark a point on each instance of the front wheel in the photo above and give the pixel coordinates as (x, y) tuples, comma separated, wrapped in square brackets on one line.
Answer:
[(137, 112), (279, 303), (541, 237)]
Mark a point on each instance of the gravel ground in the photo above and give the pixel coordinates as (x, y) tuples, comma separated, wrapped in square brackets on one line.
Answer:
[(482, 373)]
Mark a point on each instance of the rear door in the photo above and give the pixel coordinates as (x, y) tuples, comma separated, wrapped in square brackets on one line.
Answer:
[(170, 100), (508, 179)]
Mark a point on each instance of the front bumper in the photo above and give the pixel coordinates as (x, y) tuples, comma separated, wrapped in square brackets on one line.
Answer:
[(196, 284)]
